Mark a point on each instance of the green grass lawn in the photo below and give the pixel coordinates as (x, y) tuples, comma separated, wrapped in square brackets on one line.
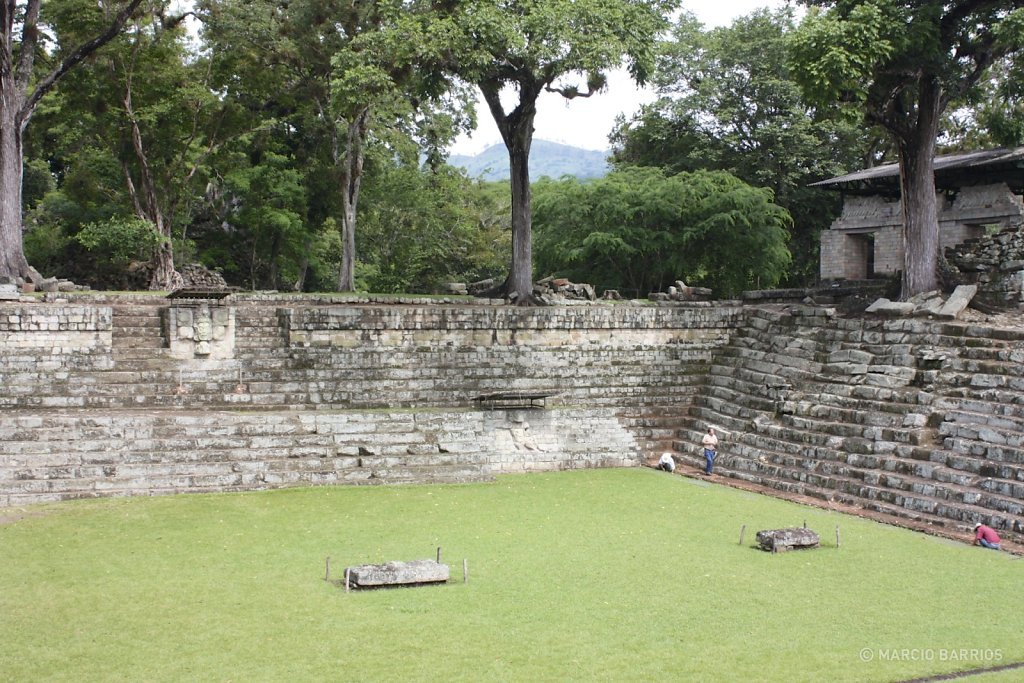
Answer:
[(614, 575)]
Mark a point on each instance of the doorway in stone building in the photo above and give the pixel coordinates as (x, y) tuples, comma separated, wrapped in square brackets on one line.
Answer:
[(862, 254)]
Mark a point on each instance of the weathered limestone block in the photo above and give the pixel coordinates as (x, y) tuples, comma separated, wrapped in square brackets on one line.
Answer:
[(928, 303), (850, 356), (884, 306), (413, 573), (957, 301), (780, 540)]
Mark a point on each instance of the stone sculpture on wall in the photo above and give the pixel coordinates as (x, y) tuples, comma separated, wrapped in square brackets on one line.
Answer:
[(201, 331)]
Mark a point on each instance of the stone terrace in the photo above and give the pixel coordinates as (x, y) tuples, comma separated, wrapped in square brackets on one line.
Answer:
[(141, 394), (919, 422), (916, 421)]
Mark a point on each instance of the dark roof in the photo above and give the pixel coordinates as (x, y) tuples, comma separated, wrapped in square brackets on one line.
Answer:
[(951, 172)]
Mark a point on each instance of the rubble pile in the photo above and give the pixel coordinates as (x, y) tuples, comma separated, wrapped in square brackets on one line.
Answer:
[(681, 292), (996, 264)]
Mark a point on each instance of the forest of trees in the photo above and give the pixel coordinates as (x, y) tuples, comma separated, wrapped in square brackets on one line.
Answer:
[(300, 144)]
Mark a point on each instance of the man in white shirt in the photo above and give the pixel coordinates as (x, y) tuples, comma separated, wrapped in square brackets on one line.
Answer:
[(710, 444), (667, 463)]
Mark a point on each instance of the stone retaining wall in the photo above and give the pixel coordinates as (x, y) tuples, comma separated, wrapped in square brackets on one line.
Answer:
[(919, 421), (49, 457), (140, 394), (54, 338)]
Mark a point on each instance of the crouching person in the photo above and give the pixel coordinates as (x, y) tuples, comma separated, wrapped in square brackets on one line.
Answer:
[(986, 536), (667, 463)]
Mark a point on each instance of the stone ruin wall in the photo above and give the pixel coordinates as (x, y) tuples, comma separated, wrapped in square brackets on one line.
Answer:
[(844, 247), (920, 421), (147, 395), (996, 264)]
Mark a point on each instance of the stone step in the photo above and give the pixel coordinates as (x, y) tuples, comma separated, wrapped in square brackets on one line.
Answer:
[(892, 472), (839, 490), (838, 409), (993, 379), (983, 406), (811, 449), (161, 484), (822, 423), (983, 450), (989, 427), (750, 381), (796, 356)]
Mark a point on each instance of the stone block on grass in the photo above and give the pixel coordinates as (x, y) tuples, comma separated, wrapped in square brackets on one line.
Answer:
[(417, 572), (781, 540)]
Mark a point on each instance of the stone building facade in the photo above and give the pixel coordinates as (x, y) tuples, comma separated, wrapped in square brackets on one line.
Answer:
[(977, 193)]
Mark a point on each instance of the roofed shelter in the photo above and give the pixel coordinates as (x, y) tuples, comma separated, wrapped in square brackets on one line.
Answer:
[(975, 191)]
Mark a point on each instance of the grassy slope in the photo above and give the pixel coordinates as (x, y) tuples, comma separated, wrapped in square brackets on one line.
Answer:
[(593, 575)]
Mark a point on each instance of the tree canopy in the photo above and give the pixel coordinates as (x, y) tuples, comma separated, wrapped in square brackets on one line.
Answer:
[(638, 230), (519, 49), (728, 101), (22, 87), (900, 64)]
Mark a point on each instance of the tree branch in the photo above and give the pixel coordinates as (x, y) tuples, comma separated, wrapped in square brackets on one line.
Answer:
[(77, 55), (29, 41)]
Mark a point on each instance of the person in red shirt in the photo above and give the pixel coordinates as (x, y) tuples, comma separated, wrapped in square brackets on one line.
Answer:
[(986, 536)]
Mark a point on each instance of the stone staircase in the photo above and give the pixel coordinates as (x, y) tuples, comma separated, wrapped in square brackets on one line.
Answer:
[(919, 422)]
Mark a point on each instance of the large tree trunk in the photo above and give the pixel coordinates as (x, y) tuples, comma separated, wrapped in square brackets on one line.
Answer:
[(165, 276), (351, 180), (13, 265), (516, 130), (917, 188), (17, 104), (520, 280)]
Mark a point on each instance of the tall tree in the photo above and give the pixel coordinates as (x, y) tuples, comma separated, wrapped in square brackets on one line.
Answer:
[(902, 62), (21, 89), (148, 101), (332, 83), (514, 50)]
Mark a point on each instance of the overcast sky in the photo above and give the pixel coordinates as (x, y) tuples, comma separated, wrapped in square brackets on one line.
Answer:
[(586, 122)]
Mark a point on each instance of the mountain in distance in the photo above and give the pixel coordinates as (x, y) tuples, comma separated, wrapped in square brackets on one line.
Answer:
[(547, 158)]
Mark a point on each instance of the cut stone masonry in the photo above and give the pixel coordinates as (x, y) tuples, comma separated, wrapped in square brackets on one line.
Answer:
[(917, 420)]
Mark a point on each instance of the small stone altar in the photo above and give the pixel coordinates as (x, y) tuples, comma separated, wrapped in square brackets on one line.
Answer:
[(781, 540), (415, 573)]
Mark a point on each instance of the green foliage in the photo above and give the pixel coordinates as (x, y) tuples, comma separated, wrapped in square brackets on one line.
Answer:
[(876, 55), (835, 57), (422, 229), (231, 587), (638, 230), (120, 239), (111, 247), (902, 64), (525, 48), (46, 247), (727, 101)]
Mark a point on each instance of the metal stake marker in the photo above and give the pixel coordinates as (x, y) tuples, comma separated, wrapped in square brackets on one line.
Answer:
[(465, 571), (743, 530), (346, 579)]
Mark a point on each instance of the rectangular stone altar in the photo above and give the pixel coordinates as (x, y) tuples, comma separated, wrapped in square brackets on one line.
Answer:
[(417, 572)]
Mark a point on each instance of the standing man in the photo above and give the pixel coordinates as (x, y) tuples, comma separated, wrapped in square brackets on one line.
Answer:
[(710, 443), (986, 536)]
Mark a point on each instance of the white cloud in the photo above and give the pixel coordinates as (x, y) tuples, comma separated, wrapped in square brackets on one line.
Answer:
[(586, 122)]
